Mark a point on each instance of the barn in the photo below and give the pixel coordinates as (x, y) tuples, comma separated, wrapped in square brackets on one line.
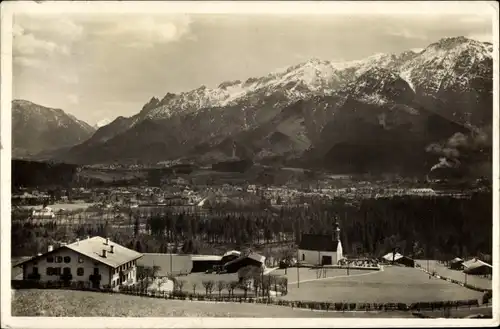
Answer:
[(397, 258), (229, 256), (252, 259), (321, 249), (168, 264), (477, 267), (456, 263), (203, 263)]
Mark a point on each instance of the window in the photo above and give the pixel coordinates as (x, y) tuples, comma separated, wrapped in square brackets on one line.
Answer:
[(50, 270), (96, 270), (67, 259), (50, 259), (35, 270), (59, 259), (67, 270), (80, 260), (79, 271), (57, 271), (303, 257)]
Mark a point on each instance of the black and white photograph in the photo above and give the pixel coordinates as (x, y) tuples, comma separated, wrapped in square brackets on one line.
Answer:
[(226, 164)]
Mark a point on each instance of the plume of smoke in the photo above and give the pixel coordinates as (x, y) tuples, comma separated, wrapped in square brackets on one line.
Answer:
[(450, 151), (446, 163)]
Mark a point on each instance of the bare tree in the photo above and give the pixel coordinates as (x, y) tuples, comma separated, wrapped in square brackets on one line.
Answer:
[(228, 288), (232, 286), (220, 286), (180, 284), (209, 286), (194, 287)]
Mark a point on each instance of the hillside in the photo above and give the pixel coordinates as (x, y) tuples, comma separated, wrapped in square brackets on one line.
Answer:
[(37, 129), (315, 112)]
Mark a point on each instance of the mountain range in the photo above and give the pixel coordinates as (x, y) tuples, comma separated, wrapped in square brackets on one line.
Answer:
[(372, 115), (39, 130)]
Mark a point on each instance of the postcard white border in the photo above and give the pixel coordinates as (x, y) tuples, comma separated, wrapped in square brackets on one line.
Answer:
[(211, 7)]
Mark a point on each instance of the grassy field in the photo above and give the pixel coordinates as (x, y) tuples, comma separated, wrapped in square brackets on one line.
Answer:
[(475, 280), (394, 284), (88, 304), (307, 274)]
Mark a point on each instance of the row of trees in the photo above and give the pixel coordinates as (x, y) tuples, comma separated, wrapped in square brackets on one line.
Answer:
[(437, 227), (249, 277)]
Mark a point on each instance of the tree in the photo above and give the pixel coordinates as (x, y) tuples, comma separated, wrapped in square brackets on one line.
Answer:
[(232, 286), (220, 286), (180, 284), (208, 284), (194, 284), (138, 246)]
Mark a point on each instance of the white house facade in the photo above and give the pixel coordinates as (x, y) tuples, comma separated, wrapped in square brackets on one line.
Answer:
[(321, 249), (95, 262)]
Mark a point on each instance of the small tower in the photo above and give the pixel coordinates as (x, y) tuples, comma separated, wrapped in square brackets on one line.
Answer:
[(234, 150), (336, 232)]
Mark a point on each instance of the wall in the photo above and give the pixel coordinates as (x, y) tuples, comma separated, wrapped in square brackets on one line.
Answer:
[(108, 274), (88, 266), (314, 257), (340, 252)]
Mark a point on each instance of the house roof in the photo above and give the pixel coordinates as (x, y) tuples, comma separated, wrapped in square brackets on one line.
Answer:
[(318, 242), (389, 256), (205, 258), (457, 260), (232, 252), (252, 255), (93, 248), (475, 263), (168, 263)]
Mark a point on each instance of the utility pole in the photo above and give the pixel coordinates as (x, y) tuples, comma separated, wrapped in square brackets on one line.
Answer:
[(298, 272)]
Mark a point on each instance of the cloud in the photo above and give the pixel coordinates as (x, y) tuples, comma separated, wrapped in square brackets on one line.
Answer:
[(406, 34), (36, 38), (29, 62), (28, 44), (73, 99), (57, 27), (149, 30)]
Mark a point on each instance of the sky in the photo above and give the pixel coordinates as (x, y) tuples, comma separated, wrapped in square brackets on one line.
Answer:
[(100, 66)]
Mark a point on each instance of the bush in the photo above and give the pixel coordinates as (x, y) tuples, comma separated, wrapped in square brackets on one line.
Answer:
[(487, 296)]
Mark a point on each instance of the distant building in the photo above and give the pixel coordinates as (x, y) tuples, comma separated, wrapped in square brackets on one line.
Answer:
[(95, 262), (397, 258), (456, 263), (44, 213), (477, 267), (252, 259), (169, 264), (229, 256), (321, 249), (202, 263)]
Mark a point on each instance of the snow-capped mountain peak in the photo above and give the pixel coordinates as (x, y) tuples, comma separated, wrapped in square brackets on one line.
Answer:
[(438, 66)]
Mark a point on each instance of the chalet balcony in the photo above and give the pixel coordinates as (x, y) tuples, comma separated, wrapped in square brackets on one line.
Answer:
[(95, 277), (66, 277)]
